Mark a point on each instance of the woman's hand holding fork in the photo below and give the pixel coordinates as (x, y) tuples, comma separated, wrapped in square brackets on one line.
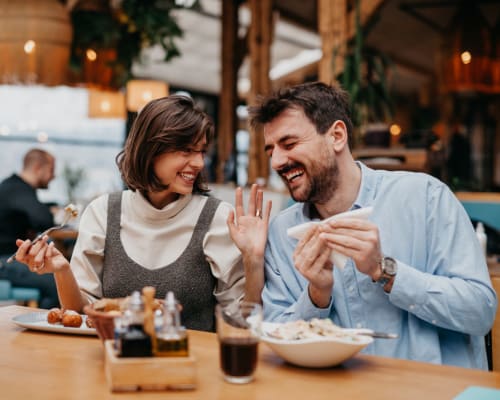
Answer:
[(41, 257)]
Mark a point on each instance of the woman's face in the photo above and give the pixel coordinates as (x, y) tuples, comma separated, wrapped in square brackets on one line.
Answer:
[(179, 169)]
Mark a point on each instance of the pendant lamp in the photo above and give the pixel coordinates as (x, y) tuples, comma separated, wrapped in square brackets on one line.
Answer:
[(467, 50)]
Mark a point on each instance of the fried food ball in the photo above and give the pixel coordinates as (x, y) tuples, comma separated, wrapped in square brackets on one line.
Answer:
[(54, 316), (72, 319)]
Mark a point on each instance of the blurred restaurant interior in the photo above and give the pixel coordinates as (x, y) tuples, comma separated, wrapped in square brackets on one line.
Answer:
[(424, 77)]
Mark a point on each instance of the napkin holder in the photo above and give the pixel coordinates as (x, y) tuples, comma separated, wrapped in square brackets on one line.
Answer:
[(126, 374)]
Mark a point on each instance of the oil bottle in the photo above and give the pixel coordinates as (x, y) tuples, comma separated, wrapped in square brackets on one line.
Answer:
[(171, 338)]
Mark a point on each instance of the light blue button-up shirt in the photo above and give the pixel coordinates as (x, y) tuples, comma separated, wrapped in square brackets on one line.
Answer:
[(441, 304)]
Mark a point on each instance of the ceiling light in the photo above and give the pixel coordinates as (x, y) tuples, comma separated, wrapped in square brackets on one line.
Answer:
[(466, 51), (91, 55), (141, 91), (29, 46)]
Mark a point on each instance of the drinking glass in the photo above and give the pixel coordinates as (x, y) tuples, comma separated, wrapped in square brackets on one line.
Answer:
[(238, 331)]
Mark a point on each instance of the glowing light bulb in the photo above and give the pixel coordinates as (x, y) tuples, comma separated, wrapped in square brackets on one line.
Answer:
[(105, 106), (29, 46), (147, 95), (395, 129), (466, 57), (42, 137), (91, 55)]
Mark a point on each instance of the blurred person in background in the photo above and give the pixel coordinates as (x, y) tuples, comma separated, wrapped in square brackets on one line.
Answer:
[(164, 231), (23, 216), (459, 161)]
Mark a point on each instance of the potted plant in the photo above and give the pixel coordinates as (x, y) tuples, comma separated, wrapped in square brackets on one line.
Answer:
[(73, 177), (117, 31), (365, 79)]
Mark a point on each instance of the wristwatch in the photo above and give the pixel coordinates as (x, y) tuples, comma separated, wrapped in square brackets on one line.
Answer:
[(389, 268)]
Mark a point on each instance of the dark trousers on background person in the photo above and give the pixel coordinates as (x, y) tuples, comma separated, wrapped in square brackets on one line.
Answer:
[(19, 275)]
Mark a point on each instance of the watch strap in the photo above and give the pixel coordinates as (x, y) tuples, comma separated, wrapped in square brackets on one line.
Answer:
[(386, 276)]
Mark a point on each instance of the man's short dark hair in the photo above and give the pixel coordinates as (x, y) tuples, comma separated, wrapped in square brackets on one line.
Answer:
[(36, 157), (321, 103)]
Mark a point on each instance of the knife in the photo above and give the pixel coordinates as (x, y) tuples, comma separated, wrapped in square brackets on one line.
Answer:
[(372, 333)]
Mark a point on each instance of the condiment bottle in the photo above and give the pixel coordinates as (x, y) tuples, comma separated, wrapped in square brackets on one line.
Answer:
[(135, 341), (171, 339), (120, 329)]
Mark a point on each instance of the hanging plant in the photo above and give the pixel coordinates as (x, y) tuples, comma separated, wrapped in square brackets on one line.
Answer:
[(365, 79), (127, 27), (73, 177)]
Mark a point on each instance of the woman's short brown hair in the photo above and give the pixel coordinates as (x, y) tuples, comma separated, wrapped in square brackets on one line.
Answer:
[(164, 125)]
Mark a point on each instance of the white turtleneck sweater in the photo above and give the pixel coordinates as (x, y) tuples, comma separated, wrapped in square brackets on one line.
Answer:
[(155, 238)]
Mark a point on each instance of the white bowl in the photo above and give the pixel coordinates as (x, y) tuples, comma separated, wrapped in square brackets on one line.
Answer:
[(317, 352)]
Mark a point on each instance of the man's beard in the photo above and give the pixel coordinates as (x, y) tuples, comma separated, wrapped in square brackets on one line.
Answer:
[(322, 181)]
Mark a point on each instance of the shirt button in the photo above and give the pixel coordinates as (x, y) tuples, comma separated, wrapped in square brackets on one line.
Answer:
[(351, 289), (359, 326), (434, 321), (412, 306)]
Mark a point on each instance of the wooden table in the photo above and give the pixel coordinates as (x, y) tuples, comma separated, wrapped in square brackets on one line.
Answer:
[(52, 366)]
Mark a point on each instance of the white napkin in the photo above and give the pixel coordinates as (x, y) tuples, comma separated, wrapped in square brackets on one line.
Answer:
[(338, 259)]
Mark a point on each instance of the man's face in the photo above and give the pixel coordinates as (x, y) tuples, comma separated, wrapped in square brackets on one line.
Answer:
[(304, 159), (46, 174)]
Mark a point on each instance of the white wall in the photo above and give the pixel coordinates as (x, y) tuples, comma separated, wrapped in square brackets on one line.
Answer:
[(31, 113)]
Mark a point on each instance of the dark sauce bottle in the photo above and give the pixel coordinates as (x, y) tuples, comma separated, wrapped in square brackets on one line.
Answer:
[(135, 342)]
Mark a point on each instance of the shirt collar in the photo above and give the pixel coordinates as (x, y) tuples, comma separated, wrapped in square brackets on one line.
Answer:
[(369, 180)]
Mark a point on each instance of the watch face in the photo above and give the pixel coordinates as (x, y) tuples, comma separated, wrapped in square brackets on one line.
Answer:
[(390, 266)]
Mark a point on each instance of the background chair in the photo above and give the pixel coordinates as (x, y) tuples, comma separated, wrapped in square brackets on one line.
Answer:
[(13, 295)]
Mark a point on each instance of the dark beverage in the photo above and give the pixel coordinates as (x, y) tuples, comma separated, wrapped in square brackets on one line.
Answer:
[(238, 356)]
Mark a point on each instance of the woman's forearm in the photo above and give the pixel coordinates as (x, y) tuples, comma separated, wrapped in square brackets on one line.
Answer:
[(68, 290), (254, 277)]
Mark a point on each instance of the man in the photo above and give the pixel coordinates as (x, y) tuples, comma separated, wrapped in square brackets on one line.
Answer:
[(415, 268), (22, 216)]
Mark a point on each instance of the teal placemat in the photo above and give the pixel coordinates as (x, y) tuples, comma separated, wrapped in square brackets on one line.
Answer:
[(479, 393)]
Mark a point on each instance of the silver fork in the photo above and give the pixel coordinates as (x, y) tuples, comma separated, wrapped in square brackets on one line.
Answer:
[(67, 216)]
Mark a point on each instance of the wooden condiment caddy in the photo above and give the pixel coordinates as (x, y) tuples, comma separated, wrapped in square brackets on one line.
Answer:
[(148, 373)]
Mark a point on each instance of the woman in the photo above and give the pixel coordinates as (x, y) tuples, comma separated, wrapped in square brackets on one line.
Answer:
[(161, 232)]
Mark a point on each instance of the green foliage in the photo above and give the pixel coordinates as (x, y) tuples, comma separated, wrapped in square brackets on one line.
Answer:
[(73, 178), (137, 24), (365, 79)]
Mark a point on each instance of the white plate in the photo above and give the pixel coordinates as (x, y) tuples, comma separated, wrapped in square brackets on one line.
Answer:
[(314, 353), (38, 321)]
